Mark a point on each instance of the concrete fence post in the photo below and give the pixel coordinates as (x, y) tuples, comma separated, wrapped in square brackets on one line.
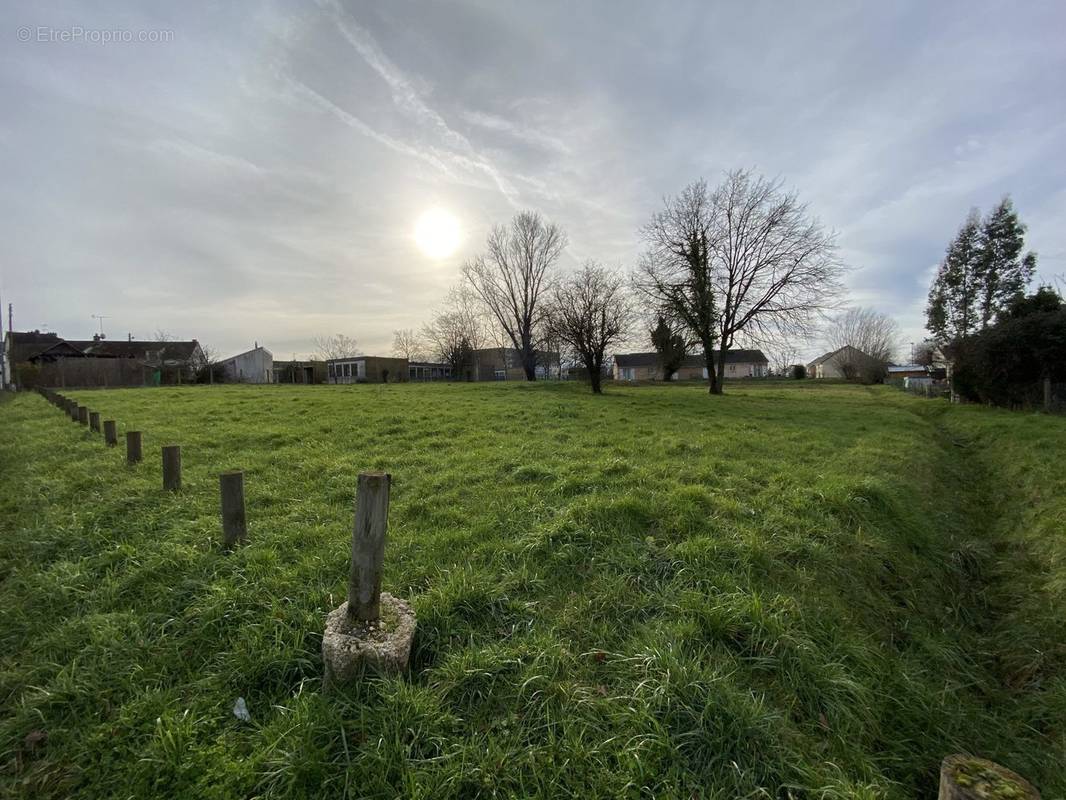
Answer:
[(110, 433), (133, 447), (172, 468), (234, 521)]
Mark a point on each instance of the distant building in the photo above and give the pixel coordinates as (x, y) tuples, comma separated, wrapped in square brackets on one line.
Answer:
[(33, 358), (367, 369), (307, 372), (254, 366), (844, 362), (428, 371), (900, 372), (646, 367), (505, 364)]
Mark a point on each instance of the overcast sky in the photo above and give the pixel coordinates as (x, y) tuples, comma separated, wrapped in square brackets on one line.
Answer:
[(258, 176)]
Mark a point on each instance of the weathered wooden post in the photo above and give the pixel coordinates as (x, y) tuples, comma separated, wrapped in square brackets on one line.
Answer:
[(72, 410), (110, 434), (133, 447), (965, 777), (234, 522), (94, 421), (368, 546), (371, 630), (83, 415), (172, 467)]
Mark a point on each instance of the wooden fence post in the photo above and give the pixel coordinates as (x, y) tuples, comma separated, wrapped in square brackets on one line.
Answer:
[(368, 546), (133, 447), (1047, 394), (234, 522), (110, 434), (94, 421), (83, 415), (172, 467)]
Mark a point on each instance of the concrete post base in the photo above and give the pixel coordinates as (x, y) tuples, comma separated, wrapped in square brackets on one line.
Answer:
[(965, 777), (349, 650)]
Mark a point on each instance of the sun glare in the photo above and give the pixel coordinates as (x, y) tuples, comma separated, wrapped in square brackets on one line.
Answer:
[(437, 233)]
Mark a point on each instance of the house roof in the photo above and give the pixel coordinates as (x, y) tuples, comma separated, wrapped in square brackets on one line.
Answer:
[(906, 368), (694, 360), (31, 344), (167, 351), (826, 356), (255, 349)]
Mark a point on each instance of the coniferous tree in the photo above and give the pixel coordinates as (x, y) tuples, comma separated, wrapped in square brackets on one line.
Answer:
[(982, 273), (953, 298), (1003, 273), (670, 345)]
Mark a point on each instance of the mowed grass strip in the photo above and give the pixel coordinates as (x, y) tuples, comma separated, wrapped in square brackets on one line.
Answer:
[(789, 591)]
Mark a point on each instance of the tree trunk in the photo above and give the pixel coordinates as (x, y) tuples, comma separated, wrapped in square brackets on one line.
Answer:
[(720, 382), (712, 375)]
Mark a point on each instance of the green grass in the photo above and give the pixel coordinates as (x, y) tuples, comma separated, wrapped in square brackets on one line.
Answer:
[(792, 591)]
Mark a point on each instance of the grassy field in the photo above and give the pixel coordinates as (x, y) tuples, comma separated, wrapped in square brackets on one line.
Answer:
[(792, 591)]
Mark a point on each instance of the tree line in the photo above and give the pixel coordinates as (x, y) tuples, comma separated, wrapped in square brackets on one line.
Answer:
[(1006, 346), (744, 262)]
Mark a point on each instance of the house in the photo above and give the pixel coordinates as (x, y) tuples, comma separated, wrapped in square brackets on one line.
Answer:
[(646, 367), (45, 359), (428, 371), (505, 364), (311, 371), (844, 362), (254, 366), (367, 369), (900, 372)]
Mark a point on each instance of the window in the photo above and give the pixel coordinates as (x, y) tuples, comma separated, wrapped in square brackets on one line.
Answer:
[(347, 370), (500, 374)]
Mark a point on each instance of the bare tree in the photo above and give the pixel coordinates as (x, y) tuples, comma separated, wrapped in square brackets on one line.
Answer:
[(406, 343), (775, 268), (162, 336), (675, 272), (336, 346), (512, 277), (590, 311), (783, 356), (455, 332), (207, 367), (875, 337)]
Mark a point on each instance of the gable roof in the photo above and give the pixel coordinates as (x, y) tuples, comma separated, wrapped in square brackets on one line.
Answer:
[(255, 349), (693, 360), (168, 351), (826, 356)]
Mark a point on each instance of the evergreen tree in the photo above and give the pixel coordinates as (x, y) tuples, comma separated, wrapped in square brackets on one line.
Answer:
[(670, 345), (952, 312), (1002, 272), (982, 273)]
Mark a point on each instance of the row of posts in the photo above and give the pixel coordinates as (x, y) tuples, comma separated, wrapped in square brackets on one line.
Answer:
[(231, 484)]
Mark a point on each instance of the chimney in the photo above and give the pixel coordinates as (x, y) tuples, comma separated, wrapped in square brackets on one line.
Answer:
[(129, 337), (96, 337), (256, 346)]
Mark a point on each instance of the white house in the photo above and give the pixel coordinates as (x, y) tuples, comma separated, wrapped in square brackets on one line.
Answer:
[(254, 366)]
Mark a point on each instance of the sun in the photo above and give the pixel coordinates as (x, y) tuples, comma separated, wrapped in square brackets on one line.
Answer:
[(437, 233)]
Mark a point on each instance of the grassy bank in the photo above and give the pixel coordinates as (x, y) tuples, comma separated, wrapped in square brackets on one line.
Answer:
[(805, 591)]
